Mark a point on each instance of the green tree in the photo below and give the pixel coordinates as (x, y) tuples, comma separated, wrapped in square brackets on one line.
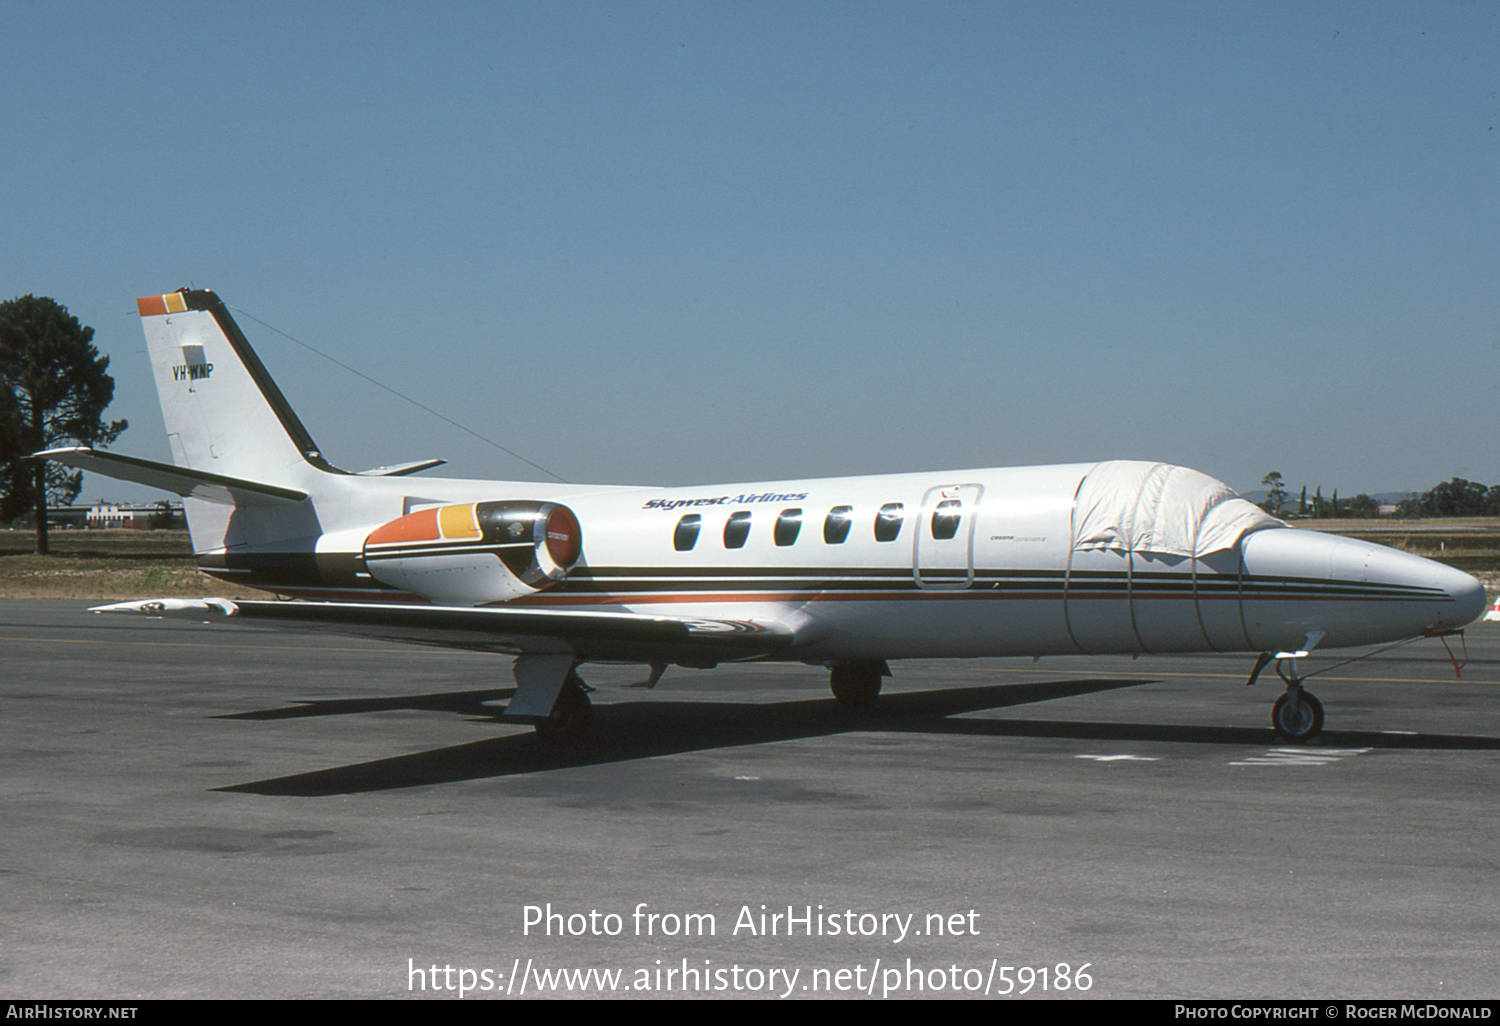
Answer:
[(1276, 496), (163, 517), (1455, 498), (10, 430), (58, 387)]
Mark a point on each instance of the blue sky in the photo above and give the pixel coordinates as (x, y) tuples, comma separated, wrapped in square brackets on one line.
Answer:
[(675, 243)]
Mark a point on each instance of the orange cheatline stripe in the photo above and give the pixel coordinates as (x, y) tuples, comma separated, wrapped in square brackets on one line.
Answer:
[(151, 306)]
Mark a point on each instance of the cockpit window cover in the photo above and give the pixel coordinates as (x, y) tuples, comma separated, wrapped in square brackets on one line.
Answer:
[(1131, 506)]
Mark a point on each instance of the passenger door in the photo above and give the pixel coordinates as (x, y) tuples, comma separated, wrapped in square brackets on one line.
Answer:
[(943, 556)]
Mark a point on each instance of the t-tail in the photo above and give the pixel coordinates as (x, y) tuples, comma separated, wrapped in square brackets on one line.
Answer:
[(224, 413), (243, 461)]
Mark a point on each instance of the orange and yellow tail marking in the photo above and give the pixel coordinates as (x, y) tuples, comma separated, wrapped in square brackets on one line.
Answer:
[(156, 306)]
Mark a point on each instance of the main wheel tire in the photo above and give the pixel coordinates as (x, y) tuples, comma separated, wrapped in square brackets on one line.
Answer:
[(1296, 722), (855, 683), (571, 716)]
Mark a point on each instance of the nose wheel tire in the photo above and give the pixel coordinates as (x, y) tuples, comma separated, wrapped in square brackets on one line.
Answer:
[(1297, 718)]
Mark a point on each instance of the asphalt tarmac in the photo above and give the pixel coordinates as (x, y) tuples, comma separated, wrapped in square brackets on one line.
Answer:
[(210, 811)]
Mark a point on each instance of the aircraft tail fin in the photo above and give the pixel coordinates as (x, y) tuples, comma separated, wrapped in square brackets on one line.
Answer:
[(224, 414)]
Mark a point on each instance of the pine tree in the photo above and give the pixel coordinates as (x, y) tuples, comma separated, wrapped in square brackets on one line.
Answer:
[(57, 387)]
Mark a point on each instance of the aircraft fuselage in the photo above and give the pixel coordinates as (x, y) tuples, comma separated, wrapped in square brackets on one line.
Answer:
[(970, 563)]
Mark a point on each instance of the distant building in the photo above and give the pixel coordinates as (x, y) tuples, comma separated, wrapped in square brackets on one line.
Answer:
[(110, 515), (102, 514), (132, 517)]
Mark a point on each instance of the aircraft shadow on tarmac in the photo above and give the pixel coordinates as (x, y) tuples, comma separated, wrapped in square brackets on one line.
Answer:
[(637, 730)]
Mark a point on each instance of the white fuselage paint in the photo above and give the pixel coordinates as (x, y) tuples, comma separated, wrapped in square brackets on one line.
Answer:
[(1007, 582)]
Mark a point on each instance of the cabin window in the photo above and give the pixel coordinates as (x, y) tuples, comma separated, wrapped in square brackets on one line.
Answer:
[(888, 522), (686, 535), (945, 519), (787, 526), (836, 527), (737, 530)]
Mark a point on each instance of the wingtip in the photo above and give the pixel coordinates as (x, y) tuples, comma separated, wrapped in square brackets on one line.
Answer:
[(171, 607)]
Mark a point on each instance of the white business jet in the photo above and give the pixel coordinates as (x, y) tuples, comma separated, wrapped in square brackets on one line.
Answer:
[(846, 573)]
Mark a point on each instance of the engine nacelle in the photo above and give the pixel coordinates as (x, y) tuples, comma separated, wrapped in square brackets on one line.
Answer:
[(478, 552)]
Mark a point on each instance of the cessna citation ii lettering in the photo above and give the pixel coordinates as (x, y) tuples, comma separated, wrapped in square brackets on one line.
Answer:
[(844, 573)]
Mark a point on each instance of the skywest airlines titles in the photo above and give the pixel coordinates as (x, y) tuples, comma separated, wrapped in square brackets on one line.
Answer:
[(725, 500)]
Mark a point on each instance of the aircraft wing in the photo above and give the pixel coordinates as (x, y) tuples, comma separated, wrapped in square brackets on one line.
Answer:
[(597, 635)]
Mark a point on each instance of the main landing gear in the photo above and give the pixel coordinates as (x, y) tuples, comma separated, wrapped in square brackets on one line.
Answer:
[(1297, 715), (571, 715), (856, 682)]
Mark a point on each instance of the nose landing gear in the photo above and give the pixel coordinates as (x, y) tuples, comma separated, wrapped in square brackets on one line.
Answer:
[(1297, 715)]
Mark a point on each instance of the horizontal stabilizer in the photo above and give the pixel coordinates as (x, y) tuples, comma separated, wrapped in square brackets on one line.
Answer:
[(402, 469), (599, 635), (193, 484)]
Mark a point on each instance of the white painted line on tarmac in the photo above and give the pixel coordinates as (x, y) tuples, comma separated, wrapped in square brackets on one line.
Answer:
[(1119, 758), (1299, 757)]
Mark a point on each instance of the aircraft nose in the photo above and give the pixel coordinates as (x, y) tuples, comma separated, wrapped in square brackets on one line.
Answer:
[(1356, 592), (1465, 595)]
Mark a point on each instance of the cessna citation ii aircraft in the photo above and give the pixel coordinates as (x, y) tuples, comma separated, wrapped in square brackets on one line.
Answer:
[(846, 573)]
